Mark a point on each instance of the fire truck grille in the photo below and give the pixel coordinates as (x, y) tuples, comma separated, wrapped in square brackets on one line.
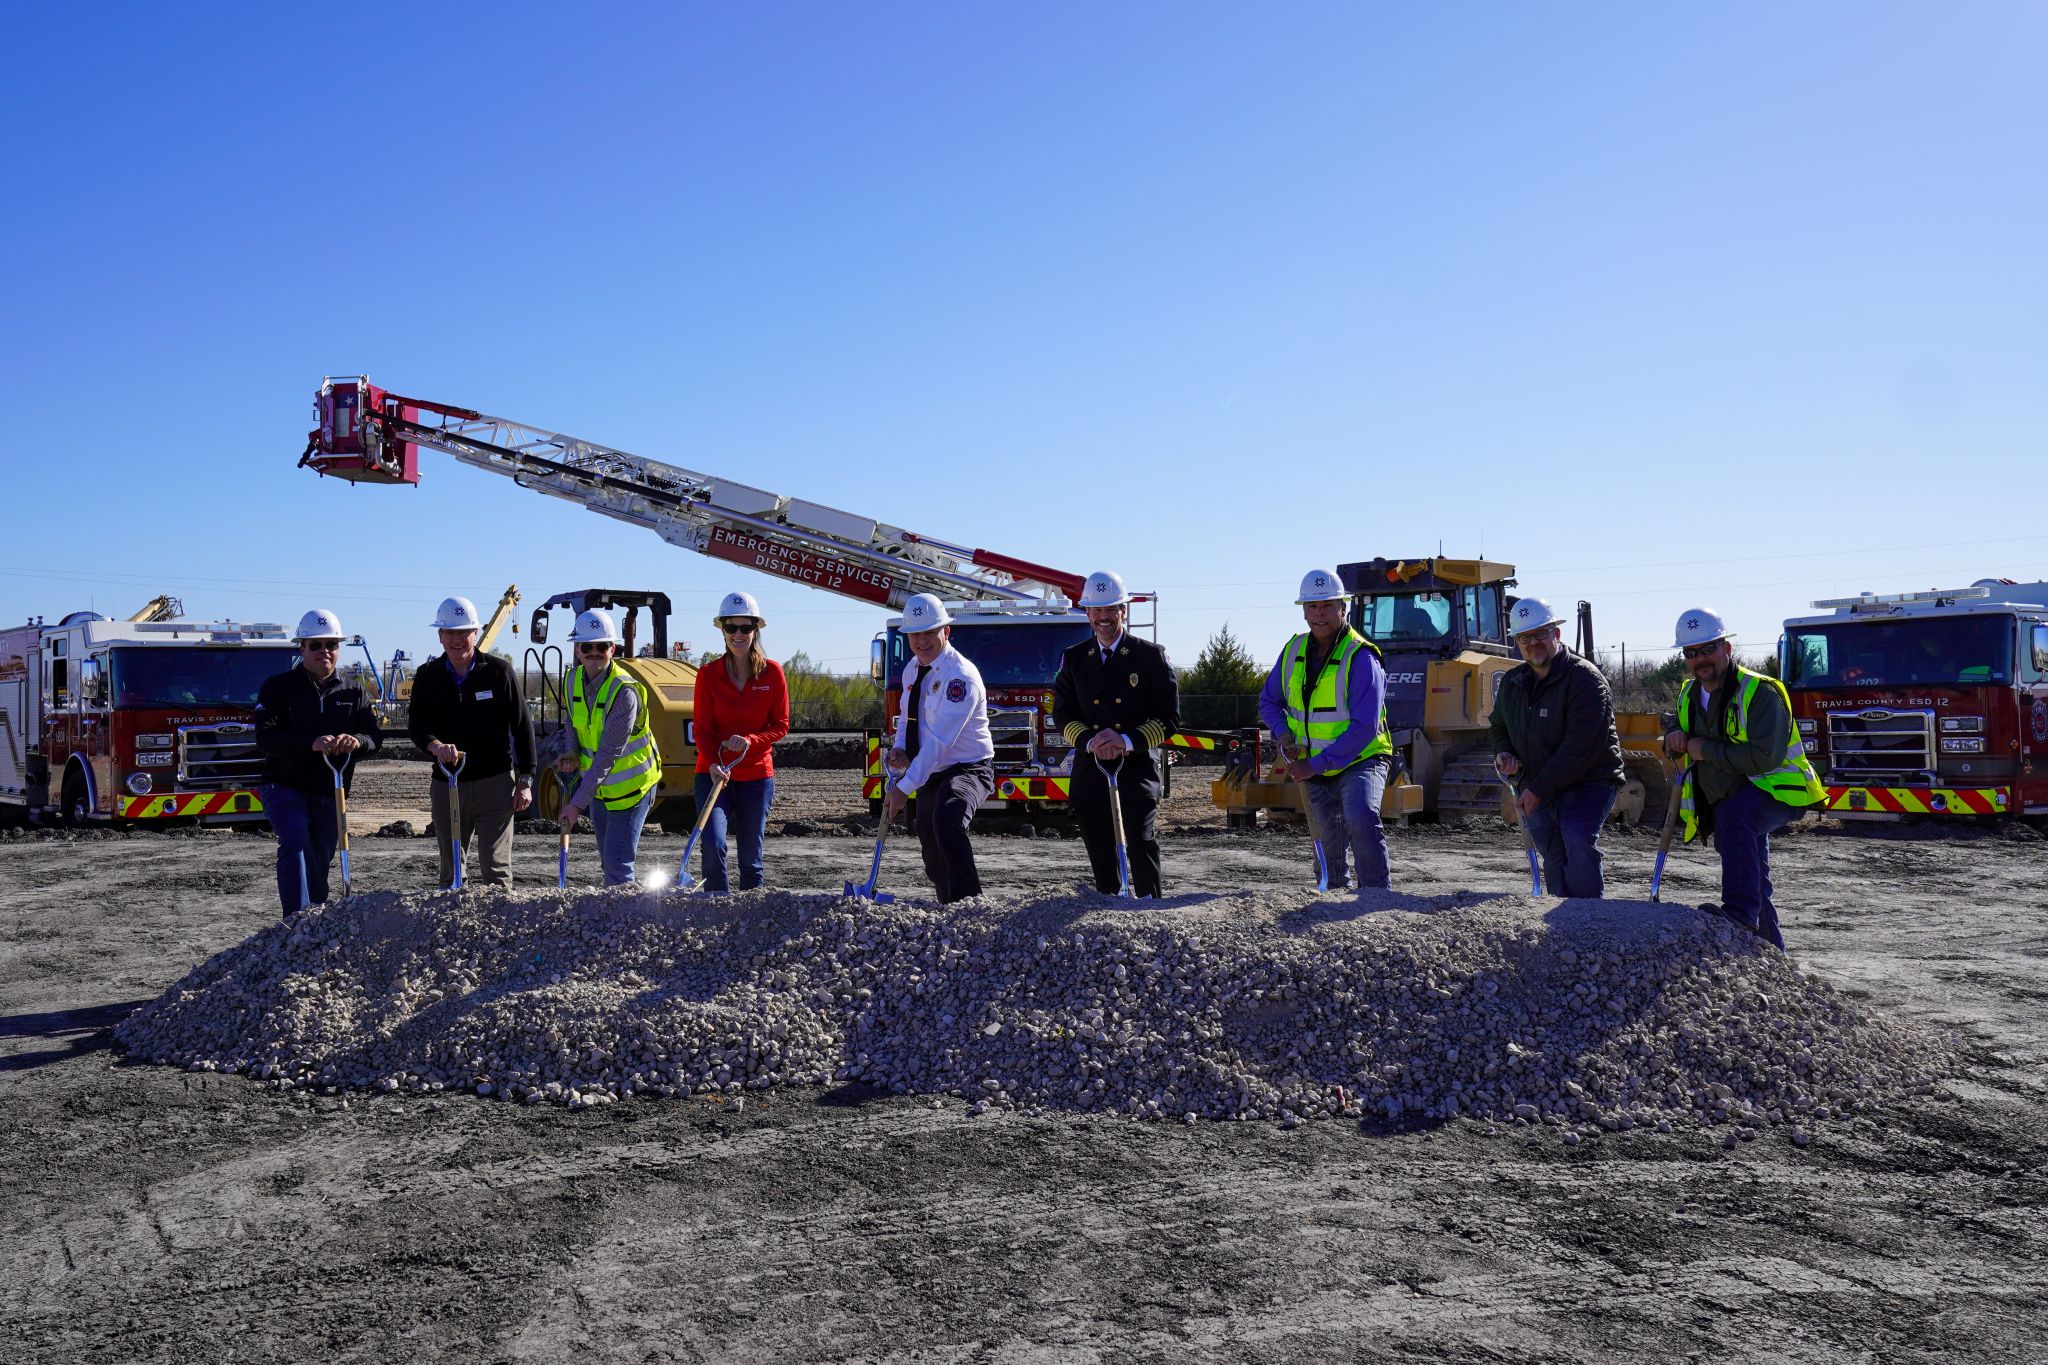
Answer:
[(1015, 733), (218, 757), (1880, 745)]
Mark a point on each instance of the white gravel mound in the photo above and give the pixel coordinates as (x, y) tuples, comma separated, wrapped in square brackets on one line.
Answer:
[(1261, 1004)]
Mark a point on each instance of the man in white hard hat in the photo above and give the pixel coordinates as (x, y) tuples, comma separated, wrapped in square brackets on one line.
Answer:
[(306, 716), (1115, 700), (1553, 732), (467, 709), (1326, 702), (1749, 776), (942, 754)]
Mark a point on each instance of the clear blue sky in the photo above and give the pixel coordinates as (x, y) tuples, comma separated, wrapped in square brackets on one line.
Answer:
[(1735, 305)]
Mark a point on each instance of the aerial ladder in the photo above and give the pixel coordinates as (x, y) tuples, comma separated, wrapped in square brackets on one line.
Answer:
[(366, 434)]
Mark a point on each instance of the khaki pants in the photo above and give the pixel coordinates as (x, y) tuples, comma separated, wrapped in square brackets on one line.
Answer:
[(486, 829)]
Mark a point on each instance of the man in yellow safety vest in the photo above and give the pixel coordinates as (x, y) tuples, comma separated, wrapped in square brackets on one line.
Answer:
[(1326, 702), (1748, 776)]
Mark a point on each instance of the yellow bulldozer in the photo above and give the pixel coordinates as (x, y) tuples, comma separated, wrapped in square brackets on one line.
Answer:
[(1442, 629), (670, 684)]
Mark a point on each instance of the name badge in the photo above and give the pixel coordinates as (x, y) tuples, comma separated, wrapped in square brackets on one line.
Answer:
[(484, 695)]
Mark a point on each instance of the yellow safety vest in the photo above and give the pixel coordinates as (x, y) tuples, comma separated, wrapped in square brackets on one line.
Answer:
[(1792, 782), (1318, 720), (638, 769)]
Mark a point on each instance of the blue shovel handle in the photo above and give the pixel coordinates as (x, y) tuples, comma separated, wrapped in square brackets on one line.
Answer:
[(1322, 868)]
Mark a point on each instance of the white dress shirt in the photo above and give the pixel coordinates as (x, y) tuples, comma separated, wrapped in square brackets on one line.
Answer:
[(952, 719)]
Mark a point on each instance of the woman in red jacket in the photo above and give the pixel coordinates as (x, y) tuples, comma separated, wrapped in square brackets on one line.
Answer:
[(742, 709)]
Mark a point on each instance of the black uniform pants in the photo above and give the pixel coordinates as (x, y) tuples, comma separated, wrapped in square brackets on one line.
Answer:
[(1139, 799), (945, 807)]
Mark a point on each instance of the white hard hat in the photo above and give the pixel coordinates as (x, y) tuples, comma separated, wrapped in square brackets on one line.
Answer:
[(924, 612), (1320, 585), (1104, 589), (457, 613), (1531, 613), (1700, 626), (739, 604), (592, 627), (319, 624)]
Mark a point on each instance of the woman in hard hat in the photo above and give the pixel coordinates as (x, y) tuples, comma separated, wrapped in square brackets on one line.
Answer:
[(618, 764), (742, 708)]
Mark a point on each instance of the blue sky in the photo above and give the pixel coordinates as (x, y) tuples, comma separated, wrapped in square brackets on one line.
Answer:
[(1737, 305)]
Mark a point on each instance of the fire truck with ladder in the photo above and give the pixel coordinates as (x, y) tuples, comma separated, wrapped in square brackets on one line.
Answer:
[(1013, 617), (1926, 703), (148, 719)]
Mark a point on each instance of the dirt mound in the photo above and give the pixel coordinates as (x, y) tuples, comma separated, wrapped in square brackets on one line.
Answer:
[(1266, 1005)]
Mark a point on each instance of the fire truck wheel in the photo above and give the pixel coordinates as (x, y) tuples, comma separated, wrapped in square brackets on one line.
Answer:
[(77, 806)]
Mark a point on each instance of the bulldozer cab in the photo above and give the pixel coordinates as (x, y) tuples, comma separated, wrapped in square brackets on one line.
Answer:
[(612, 600), (1435, 607)]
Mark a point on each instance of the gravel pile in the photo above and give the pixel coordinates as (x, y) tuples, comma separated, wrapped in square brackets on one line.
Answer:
[(1269, 1005)]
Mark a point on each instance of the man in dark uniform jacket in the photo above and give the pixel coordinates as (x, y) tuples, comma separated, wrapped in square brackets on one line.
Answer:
[(1116, 700)]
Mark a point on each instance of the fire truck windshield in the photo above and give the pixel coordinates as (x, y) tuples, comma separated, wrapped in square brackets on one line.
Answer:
[(194, 677), (1017, 656), (1954, 651)]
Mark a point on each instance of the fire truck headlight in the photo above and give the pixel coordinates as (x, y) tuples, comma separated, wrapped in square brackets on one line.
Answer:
[(1806, 725), (139, 784), (152, 741), (1962, 725), (1811, 746), (1973, 745)]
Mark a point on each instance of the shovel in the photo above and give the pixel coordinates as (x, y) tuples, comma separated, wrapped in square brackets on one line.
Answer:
[(1670, 825), (719, 777), (866, 890), (341, 814), (1116, 826), (454, 776), (1528, 842)]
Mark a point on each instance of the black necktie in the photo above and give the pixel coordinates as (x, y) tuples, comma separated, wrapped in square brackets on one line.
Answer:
[(910, 735), (1105, 658)]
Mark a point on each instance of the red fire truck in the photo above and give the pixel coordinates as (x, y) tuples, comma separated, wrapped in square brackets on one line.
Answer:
[(106, 720), (1926, 703)]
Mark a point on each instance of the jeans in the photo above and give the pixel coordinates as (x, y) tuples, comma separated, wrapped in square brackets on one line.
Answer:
[(307, 835), (747, 805), (618, 837), (1743, 825), (1566, 831), (1344, 812)]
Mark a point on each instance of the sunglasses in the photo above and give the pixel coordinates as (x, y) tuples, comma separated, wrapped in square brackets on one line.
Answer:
[(599, 648), (1701, 651), (739, 630), (321, 646)]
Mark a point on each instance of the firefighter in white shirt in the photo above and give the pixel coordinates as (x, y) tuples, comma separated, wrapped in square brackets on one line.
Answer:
[(943, 754)]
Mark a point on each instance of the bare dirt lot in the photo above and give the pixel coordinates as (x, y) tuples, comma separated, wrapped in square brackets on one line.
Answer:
[(151, 1214)]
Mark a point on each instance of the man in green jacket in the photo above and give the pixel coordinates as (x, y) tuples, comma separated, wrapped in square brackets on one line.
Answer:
[(1553, 731), (1749, 774)]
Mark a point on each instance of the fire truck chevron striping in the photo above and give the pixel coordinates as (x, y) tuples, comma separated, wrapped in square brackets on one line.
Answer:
[(188, 804), (1910, 801)]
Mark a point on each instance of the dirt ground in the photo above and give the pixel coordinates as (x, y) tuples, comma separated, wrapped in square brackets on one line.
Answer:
[(154, 1215)]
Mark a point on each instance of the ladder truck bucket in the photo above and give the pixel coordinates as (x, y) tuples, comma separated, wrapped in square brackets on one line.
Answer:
[(349, 440)]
